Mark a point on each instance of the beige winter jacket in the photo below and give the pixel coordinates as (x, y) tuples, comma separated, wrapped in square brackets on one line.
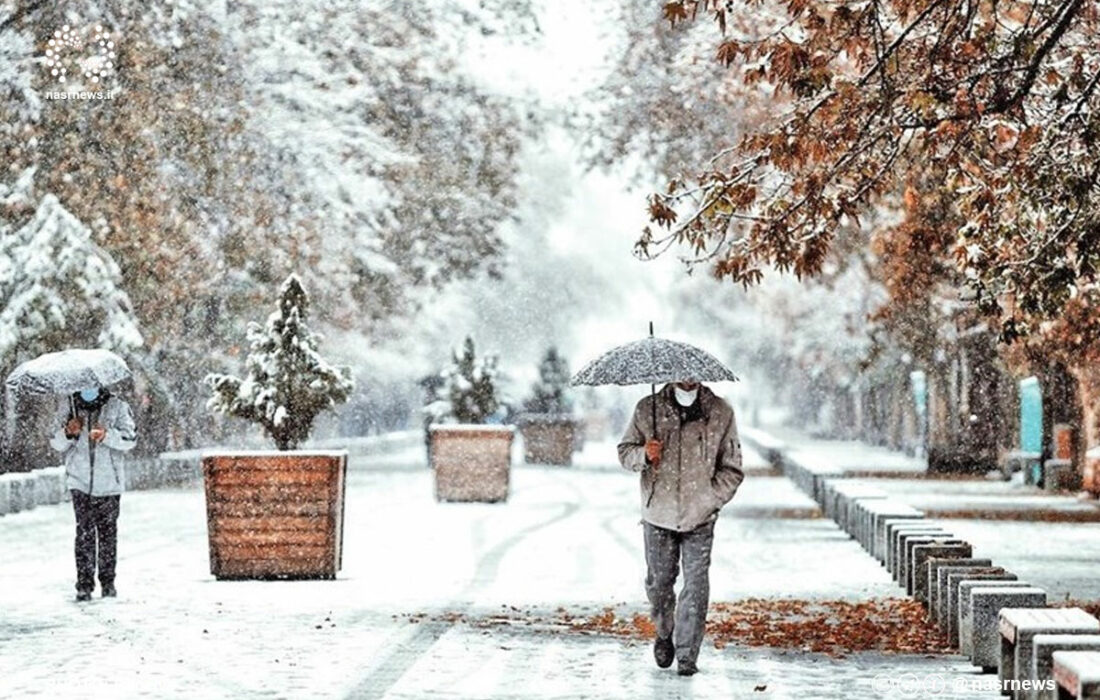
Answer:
[(700, 466)]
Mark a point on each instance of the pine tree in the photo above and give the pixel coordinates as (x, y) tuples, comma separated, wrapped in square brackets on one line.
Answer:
[(288, 383), (471, 392), (59, 289), (549, 394)]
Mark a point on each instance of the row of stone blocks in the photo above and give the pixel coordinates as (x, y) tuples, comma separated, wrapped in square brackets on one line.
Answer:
[(998, 621), (20, 491)]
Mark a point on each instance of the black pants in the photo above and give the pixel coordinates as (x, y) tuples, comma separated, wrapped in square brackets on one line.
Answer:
[(96, 532)]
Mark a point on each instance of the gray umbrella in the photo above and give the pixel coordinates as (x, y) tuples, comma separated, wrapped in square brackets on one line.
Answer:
[(653, 361), (63, 373), (67, 371)]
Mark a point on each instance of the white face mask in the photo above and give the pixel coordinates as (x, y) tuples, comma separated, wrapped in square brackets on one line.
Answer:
[(685, 398)]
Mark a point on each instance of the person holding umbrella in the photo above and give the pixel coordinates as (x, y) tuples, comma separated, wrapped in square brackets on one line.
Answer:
[(93, 428), (683, 441)]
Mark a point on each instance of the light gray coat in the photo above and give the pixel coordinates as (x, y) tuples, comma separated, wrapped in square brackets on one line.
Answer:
[(700, 466), (108, 476)]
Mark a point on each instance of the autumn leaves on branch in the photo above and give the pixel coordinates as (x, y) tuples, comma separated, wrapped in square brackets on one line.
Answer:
[(989, 108)]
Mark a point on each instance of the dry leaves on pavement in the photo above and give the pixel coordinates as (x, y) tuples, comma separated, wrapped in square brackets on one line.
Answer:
[(832, 627)]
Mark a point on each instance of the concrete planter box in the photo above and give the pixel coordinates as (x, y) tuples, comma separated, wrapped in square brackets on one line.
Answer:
[(548, 438), (471, 462), (18, 492), (273, 515), (5, 495)]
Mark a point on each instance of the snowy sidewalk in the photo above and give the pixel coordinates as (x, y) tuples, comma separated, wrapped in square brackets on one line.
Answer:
[(1047, 539), (566, 538)]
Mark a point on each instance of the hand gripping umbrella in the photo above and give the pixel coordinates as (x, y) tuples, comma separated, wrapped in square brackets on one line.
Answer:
[(653, 361)]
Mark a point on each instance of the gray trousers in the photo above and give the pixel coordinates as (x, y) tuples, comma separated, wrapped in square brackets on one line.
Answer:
[(685, 621)]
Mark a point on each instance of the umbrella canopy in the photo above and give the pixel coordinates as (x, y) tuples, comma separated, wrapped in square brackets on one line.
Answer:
[(67, 371), (653, 361)]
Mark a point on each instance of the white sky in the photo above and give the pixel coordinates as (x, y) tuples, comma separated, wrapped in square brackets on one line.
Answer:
[(603, 215)]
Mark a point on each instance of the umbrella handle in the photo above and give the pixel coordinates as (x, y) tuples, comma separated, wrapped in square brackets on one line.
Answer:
[(653, 394), (653, 407)]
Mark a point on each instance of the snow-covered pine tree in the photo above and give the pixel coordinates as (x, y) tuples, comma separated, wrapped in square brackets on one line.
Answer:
[(287, 383), (549, 393), (59, 289), (470, 390)]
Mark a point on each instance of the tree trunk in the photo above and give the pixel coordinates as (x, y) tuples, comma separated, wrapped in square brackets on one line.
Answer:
[(984, 401), (1062, 404)]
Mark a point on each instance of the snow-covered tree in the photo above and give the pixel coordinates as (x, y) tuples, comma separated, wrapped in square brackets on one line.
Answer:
[(402, 164), (20, 106), (665, 98), (348, 138), (550, 393), (287, 382), (470, 390), (59, 289)]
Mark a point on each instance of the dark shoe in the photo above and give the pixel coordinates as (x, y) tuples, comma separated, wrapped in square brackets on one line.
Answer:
[(83, 596), (663, 652), (109, 591), (686, 667)]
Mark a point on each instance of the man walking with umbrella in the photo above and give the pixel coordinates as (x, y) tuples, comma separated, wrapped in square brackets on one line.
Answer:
[(94, 428), (690, 467), (683, 440)]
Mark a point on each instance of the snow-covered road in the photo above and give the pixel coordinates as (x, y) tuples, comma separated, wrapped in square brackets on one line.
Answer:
[(567, 537)]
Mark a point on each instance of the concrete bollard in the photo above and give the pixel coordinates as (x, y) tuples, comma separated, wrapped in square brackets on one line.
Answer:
[(936, 592), (22, 487), (884, 527), (874, 514), (908, 573), (50, 485), (1042, 656), (863, 519), (5, 495), (137, 477), (893, 537), (921, 565), (848, 508), (985, 610), (948, 600), (903, 548), (965, 623), (1018, 627), (1077, 674)]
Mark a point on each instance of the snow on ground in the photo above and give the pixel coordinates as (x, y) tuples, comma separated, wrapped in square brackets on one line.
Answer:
[(1019, 527), (1059, 557), (566, 537), (992, 496), (846, 455)]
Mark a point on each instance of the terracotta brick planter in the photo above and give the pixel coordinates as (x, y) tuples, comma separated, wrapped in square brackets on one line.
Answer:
[(471, 462), (548, 439), (275, 514)]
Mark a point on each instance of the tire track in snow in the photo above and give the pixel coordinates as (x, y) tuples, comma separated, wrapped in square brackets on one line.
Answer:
[(416, 645), (627, 545)]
